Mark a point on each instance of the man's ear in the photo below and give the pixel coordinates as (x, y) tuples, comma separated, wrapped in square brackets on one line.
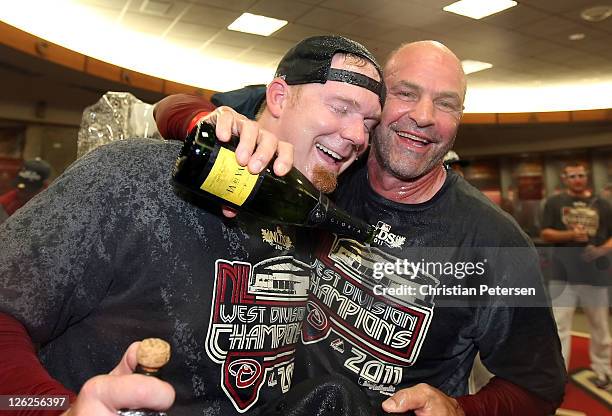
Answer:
[(277, 96)]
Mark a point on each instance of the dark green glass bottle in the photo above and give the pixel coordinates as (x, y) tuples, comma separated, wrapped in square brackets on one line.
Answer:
[(152, 355), (207, 167)]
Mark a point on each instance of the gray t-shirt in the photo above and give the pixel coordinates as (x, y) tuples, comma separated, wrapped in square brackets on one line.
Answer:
[(109, 254)]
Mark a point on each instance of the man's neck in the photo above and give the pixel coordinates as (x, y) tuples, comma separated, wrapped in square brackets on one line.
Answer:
[(413, 191)]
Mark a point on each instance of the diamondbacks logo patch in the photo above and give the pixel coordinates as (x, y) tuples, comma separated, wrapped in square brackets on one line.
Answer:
[(256, 321)]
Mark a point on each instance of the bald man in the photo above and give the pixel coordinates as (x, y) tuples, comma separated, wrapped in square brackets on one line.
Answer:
[(406, 349)]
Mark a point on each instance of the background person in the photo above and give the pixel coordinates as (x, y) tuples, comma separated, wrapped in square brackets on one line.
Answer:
[(580, 226), (31, 179), (453, 161)]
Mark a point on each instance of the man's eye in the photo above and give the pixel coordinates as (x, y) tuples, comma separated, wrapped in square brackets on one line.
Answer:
[(408, 95), (447, 106), (340, 109)]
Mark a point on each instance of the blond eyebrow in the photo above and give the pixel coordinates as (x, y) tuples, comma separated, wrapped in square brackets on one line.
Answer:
[(354, 104), (348, 101)]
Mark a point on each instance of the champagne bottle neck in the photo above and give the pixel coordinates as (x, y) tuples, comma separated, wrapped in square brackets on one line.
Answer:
[(326, 215)]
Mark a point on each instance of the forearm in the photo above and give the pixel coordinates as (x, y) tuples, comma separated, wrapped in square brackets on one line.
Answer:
[(503, 398), (174, 114), (21, 373), (557, 236), (607, 245)]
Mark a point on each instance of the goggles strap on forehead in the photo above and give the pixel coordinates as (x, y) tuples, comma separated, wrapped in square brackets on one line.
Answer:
[(355, 78)]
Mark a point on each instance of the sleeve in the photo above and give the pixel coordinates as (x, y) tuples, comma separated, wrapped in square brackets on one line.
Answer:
[(176, 113), (548, 215), (517, 336), (502, 398), (607, 217), (21, 373)]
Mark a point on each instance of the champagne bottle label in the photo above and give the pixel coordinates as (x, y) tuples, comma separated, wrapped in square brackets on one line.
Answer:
[(228, 180)]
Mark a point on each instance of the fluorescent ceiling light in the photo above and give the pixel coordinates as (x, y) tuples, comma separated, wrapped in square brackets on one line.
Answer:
[(469, 66), (256, 24), (477, 9)]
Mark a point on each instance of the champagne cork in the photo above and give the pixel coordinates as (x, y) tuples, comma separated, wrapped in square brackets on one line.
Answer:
[(153, 353)]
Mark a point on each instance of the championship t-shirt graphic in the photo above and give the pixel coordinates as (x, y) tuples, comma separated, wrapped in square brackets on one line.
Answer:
[(256, 320), (581, 214), (375, 335)]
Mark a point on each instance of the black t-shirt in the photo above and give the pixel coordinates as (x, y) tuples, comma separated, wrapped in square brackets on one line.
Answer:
[(109, 254), (388, 341), (563, 212)]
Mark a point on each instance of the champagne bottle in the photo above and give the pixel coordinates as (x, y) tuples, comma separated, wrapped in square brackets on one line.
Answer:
[(153, 354), (208, 168)]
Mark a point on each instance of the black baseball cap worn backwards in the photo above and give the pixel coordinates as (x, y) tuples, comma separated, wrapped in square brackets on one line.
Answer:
[(310, 62)]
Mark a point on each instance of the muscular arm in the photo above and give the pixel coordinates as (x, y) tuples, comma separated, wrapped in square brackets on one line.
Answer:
[(503, 398), (20, 370), (174, 114), (498, 398)]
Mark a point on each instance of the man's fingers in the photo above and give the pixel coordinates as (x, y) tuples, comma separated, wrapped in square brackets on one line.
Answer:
[(249, 132), (228, 211), (256, 147), (284, 158), (267, 145), (128, 362), (224, 124), (412, 398), (404, 400), (132, 391)]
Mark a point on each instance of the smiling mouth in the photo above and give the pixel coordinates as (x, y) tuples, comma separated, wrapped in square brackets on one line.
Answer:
[(412, 137), (329, 153)]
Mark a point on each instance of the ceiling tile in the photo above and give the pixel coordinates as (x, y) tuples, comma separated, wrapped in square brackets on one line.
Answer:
[(234, 5), (311, 1), (546, 27), (361, 7), (325, 19), (210, 16), (489, 36), (285, 10), (403, 13), (516, 16), (403, 34), (594, 45), (185, 42), (102, 12), (222, 51), (365, 27), (254, 56), (278, 46), (109, 4), (560, 55), (146, 24), (190, 30), (557, 6), (295, 32), (535, 47), (239, 39)]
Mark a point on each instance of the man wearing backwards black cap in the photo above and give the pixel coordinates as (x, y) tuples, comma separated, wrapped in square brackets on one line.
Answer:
[(115, 256), (405, 187), (31, 179)]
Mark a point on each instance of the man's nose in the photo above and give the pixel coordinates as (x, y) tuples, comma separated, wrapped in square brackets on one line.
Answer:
[(356, 133), (423, 112)]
